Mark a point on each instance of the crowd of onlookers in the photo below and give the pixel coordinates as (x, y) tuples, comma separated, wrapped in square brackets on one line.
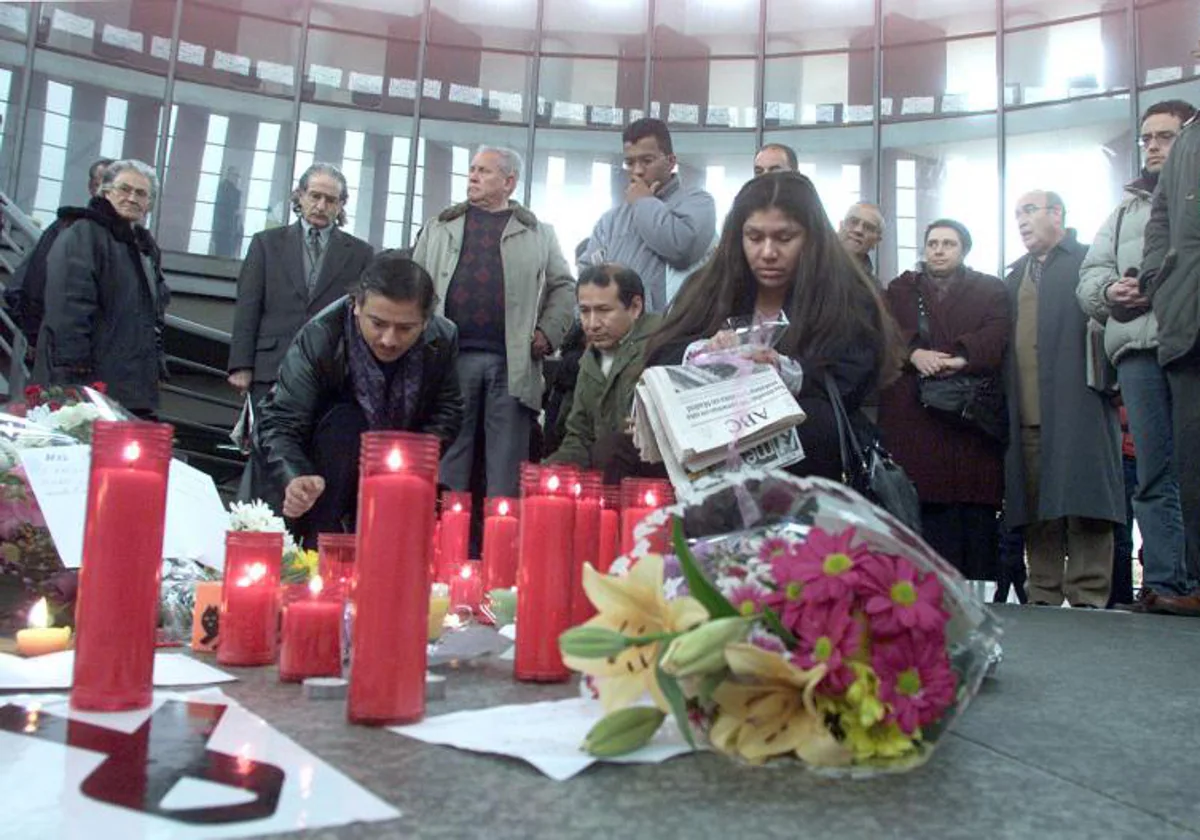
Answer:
[(1027, 470)]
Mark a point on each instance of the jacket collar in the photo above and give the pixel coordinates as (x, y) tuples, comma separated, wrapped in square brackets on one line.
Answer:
[(520, 213), (1063, 244)]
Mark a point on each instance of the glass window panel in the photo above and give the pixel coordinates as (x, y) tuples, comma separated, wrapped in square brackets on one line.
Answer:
[(399, 19), (1064, 61), (484, 86), (945, 77), (594, 27), (58, 98), (360, 144), (251, 50), (690, 29), (251, 187), (1168, 33), (1068, 148), (198, 243), (14, 21), (53, 163), (829, 88), (803, 25), (218, 126), (480, 23), (909, 21), (202, 219), (393, 234), (12, 58), (395, 203), (839, 161), (935, 169), (589, 91), (719, 162), (115, 111), (436, 180), (130, 25), (112, 143), (698, 92), (364, 67), (1029, 12)]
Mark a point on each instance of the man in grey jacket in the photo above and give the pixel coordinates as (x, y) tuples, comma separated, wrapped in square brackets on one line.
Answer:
[(661, 225), (1171, 278), (1108, 291)]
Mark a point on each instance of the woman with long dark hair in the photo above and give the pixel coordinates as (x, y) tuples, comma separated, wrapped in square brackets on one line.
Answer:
[(779, 255)]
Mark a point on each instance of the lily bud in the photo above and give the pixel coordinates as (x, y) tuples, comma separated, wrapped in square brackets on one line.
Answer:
[(623, 731), (591, 642), (702, 651)]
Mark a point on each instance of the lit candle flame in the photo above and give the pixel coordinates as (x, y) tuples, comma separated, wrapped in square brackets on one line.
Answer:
[(395, 460), (578, 488), (315, 585), (39, 615), (651, 499), (552, 483), (458, 508), (254, 573), (502, 508), (452, 622), (466, 571), (133, 451)]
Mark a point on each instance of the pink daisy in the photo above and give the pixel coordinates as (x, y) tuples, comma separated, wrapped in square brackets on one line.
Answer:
[(897, 599), (748, 598), (828, 635), (773, 547), (915, 679), (787, 570), (828, 565)]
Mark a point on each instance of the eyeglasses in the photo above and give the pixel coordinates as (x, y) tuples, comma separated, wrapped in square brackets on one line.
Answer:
[(136, 192), (854, 222), (1030, 209), (1164, 138), (645, 161)]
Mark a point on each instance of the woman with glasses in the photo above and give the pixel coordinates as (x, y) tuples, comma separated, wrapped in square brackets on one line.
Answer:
[(779, 256), (105, 294), (955, 322)]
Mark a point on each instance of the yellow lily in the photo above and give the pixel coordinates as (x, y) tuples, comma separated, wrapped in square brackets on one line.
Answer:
[(768, 710), (634, 606)]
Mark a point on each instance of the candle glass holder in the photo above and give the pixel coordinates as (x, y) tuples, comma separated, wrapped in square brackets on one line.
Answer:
[(117, 609), (335, 563), (454, 535), (396, 513), (586, 543), (544, 575), (610, 527), (312, 635), (501, 542), (250, 597), (639, 498)]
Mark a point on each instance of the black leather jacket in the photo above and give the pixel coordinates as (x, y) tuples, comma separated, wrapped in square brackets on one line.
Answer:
[(315, 375)]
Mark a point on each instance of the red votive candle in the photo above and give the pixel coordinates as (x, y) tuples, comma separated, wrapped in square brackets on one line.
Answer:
[(250, 598), (610, 527), (501, 534), (117, 609), (544, 571), (396, 512), (312, 635), (466, 587), (335, 563), (586, 544), (454, 532), (640, 497)]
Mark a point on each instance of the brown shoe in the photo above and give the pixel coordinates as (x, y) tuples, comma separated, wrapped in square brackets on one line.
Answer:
[(1178, 604), (1146, 602)]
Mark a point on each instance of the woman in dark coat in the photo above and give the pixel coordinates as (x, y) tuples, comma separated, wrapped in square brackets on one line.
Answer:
[(778, 255), (958, 470)]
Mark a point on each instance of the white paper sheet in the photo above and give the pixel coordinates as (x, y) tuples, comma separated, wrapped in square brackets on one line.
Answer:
[(55, 671), (547, 735), (196, 520), (182, 767)]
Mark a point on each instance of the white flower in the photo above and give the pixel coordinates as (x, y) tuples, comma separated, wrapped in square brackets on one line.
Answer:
[(71, 417), (254, 516), (39, 415)]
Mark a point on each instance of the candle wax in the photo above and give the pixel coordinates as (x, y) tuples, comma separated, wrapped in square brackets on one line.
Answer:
[(544, 582), (453, 537), (630, 518), (312, 639), (586, 547), (35, 641), (501, 535), (610, 539)]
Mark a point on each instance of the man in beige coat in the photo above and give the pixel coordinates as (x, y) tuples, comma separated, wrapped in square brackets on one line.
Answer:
[(501, 277)]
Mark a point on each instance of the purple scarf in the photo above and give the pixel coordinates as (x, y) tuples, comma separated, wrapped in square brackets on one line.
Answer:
[(385, 407)]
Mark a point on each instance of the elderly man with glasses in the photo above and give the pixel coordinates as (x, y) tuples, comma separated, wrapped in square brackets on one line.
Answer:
[(661, 227), (860, 231), (1063, 480)]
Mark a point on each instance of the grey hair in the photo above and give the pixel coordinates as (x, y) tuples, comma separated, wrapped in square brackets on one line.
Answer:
[(876, 208), (510, 161), (322, 169), (130, 165)]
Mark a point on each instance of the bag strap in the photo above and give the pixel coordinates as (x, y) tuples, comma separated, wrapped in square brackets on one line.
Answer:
[(1117, 236), (923, 320), (847, 440)]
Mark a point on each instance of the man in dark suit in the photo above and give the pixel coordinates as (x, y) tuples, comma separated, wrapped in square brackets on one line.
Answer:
[(289, 275)]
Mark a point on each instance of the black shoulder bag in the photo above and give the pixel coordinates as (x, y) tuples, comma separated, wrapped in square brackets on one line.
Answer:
[(974, 400), (870, 470)]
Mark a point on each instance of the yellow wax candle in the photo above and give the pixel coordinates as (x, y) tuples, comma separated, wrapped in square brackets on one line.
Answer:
[(39, 638)]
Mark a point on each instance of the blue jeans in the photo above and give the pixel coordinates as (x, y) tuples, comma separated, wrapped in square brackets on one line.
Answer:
[(1156, 501)]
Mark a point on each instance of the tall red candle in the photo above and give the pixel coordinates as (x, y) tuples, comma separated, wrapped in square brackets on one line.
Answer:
[(610, 527), (312, 635), (250, 598), (501, 533), (544, 571), (396, 499), (586, 544), (454, 532), (335, 563), (117, 609), (639, 498)]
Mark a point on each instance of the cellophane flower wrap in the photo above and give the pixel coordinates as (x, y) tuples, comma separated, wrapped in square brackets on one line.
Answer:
[(795, 622)]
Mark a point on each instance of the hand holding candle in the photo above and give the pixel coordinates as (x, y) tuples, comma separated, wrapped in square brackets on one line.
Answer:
[(40, 637)]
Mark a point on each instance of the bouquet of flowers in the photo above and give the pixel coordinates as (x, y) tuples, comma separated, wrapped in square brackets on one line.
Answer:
[(795, 619)]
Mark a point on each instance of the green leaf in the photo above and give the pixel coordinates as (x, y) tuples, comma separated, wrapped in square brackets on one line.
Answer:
[(674, 695), (709, 596), (771, 619), (709, 685)]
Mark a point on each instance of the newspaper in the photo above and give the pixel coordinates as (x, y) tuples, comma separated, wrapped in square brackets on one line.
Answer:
[(691, 417)]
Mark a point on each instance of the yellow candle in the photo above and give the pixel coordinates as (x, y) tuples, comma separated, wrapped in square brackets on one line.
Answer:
[(38, 638)]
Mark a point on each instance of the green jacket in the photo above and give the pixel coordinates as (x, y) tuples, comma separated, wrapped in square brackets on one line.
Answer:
[(539, 292), (602, 403)]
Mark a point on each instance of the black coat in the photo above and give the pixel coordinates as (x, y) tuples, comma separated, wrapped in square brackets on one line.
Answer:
[(105, 302), (315, 375)]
